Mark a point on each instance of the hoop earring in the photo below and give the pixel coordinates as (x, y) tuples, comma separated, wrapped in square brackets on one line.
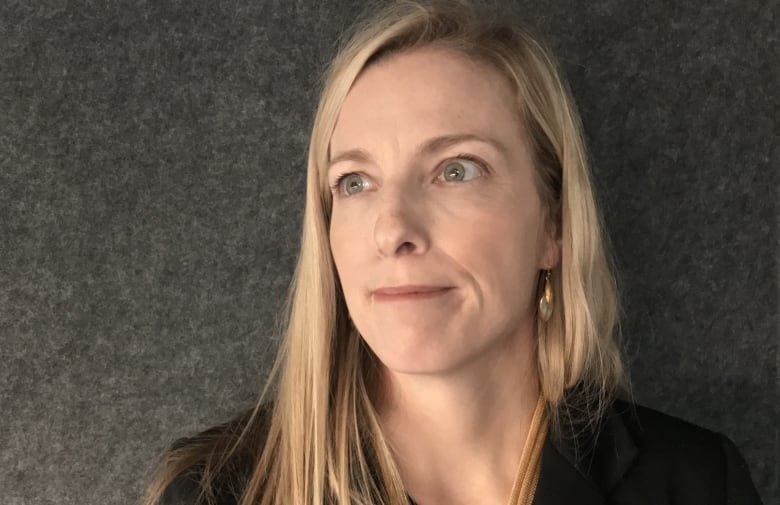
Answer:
[(546, 301)]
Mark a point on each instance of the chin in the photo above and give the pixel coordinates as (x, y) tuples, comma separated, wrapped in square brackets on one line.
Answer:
[(404, 353), (419, 360)]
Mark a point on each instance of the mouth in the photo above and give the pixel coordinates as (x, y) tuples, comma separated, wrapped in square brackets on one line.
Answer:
[(408, 293)]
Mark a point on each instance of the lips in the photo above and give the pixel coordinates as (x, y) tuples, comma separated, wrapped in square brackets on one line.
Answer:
[(408, 293)]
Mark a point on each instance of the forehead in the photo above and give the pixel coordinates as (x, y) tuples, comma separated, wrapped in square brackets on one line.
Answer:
[(423, 93)]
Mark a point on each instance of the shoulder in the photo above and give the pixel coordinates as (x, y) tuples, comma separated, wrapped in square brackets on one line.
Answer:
[(659, 434), (214, 465), (667, 455), (662, 436)]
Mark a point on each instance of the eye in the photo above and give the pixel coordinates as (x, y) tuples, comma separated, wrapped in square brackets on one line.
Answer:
[(460, 169), (350, 184)]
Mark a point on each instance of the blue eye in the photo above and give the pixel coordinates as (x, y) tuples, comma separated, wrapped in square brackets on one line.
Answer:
[(460, 169), (351, 184)]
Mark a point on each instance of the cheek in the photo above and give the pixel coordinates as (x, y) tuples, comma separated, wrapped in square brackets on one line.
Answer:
[(500, 248), (338, 250), (346, 248)]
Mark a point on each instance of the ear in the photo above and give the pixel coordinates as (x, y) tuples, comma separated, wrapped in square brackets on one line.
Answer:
[(551, 246)]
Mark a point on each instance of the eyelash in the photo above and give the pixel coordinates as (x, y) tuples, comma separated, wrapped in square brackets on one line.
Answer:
[(335, 186), (479, 162)]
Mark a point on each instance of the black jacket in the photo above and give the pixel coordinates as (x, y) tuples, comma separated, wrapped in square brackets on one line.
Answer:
[(640, 457), (644, 457)]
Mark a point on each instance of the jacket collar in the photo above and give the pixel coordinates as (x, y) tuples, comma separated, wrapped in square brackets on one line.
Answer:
[(584, 469)]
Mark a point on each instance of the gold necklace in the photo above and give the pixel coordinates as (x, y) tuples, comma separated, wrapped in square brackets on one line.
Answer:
[(527, 476)]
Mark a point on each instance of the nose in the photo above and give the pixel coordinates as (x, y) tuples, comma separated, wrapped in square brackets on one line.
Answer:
[(401, 225)]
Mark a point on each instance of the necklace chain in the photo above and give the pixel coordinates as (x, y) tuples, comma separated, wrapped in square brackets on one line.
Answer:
[(527, 476)]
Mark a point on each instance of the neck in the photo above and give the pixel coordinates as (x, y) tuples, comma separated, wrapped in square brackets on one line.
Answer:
[(457, 437)]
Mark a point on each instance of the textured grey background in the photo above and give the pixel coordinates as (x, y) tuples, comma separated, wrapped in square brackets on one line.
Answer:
[(151, 184)]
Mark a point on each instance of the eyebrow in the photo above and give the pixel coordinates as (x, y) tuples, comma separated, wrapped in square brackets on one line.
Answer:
[(430, 146)]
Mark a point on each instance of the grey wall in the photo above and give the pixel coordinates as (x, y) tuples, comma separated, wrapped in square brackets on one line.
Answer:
[(151, 185)]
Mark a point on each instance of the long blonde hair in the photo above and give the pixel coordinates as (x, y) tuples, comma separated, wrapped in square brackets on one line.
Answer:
[(321, 441)]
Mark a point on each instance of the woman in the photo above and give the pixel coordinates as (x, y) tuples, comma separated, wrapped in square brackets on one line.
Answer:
[(450, 333)]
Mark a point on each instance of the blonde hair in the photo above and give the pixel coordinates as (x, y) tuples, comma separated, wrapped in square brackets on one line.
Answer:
[(321, 440)]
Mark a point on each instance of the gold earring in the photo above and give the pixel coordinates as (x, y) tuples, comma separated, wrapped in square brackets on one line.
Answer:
[(546, 301)]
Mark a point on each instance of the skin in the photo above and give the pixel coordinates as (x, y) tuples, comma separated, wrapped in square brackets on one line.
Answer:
[(459, 363)]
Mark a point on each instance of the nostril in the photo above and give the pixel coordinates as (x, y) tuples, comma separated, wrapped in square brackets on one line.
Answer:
[(406, 247), (400, 233)]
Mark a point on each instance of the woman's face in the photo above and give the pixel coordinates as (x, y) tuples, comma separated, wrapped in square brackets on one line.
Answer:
[(437, 230)]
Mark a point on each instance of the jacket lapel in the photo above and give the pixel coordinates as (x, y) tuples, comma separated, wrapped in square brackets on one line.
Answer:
[(584, 469), (561, 483)]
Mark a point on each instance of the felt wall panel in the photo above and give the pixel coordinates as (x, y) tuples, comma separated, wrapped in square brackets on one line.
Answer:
[(152, 159)]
